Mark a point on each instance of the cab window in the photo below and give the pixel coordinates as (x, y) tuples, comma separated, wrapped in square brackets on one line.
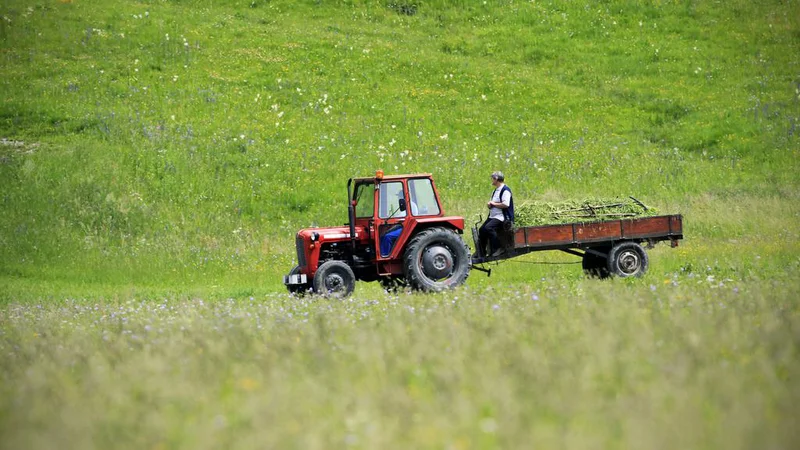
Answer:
[(365, 199), (423, 198), (390, 195)]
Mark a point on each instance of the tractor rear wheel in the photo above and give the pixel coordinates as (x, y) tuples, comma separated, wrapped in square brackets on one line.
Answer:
[(334, 279), (436, 259), (627, 259)]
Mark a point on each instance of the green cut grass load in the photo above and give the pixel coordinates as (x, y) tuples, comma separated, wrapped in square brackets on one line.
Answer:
[(585, 210)]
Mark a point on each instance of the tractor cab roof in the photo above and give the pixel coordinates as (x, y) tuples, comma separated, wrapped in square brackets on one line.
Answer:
[(382, 177)]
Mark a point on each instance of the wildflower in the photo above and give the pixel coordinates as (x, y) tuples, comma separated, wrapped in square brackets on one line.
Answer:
[(443, 137)]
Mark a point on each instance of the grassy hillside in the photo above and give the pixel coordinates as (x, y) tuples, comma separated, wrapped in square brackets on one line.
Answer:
[(176, 142), (157, 158)]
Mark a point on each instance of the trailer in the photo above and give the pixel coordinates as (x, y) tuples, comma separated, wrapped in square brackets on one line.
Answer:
[(607, 248)]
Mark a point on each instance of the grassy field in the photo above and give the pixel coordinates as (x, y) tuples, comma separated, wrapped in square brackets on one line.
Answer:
[(157, 158)]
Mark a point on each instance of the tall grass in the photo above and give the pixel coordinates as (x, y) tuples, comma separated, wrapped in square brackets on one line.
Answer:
[(695, 363)]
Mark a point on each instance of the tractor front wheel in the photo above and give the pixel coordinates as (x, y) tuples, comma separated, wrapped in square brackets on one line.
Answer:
[(334, 279), (436, 259)]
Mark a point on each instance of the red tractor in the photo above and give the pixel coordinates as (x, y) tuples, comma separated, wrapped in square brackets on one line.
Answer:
[(397, 234)]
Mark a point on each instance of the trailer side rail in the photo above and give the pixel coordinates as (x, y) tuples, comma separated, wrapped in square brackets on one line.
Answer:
[(578, 235)]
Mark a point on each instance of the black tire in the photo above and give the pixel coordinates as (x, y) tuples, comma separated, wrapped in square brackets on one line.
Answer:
[(297, 289), (627, 259), (334, 279), (595, 266), (436, 259)]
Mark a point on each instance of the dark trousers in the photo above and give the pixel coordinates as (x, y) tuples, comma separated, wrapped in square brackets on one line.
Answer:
[(489, 233), (388, 240)]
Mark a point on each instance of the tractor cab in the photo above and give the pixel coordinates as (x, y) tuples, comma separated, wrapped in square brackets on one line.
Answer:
[(387, 214), (388, 207)]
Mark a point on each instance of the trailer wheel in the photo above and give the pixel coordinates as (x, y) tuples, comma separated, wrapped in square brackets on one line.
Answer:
[(627, 259), (595, 266), (297, 289), (436, 259), (334, 279)]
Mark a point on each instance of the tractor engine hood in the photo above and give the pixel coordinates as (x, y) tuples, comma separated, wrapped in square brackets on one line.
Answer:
[(330, 234)]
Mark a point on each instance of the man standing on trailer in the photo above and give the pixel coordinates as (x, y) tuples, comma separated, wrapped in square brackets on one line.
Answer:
[(501, 216)]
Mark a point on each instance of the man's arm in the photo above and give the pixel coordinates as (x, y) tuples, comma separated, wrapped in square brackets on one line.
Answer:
[(505, 203)]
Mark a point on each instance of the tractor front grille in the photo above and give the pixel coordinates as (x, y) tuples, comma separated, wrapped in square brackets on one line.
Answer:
[(301, 252)]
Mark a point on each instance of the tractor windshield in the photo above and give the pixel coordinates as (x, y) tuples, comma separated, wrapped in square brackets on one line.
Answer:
[(365, 199)]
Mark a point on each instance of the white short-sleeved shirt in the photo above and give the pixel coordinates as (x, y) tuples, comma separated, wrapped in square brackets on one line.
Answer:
[(497, 213)]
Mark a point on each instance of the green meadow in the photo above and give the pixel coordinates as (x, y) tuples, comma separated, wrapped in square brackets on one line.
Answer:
[(157, 157)]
